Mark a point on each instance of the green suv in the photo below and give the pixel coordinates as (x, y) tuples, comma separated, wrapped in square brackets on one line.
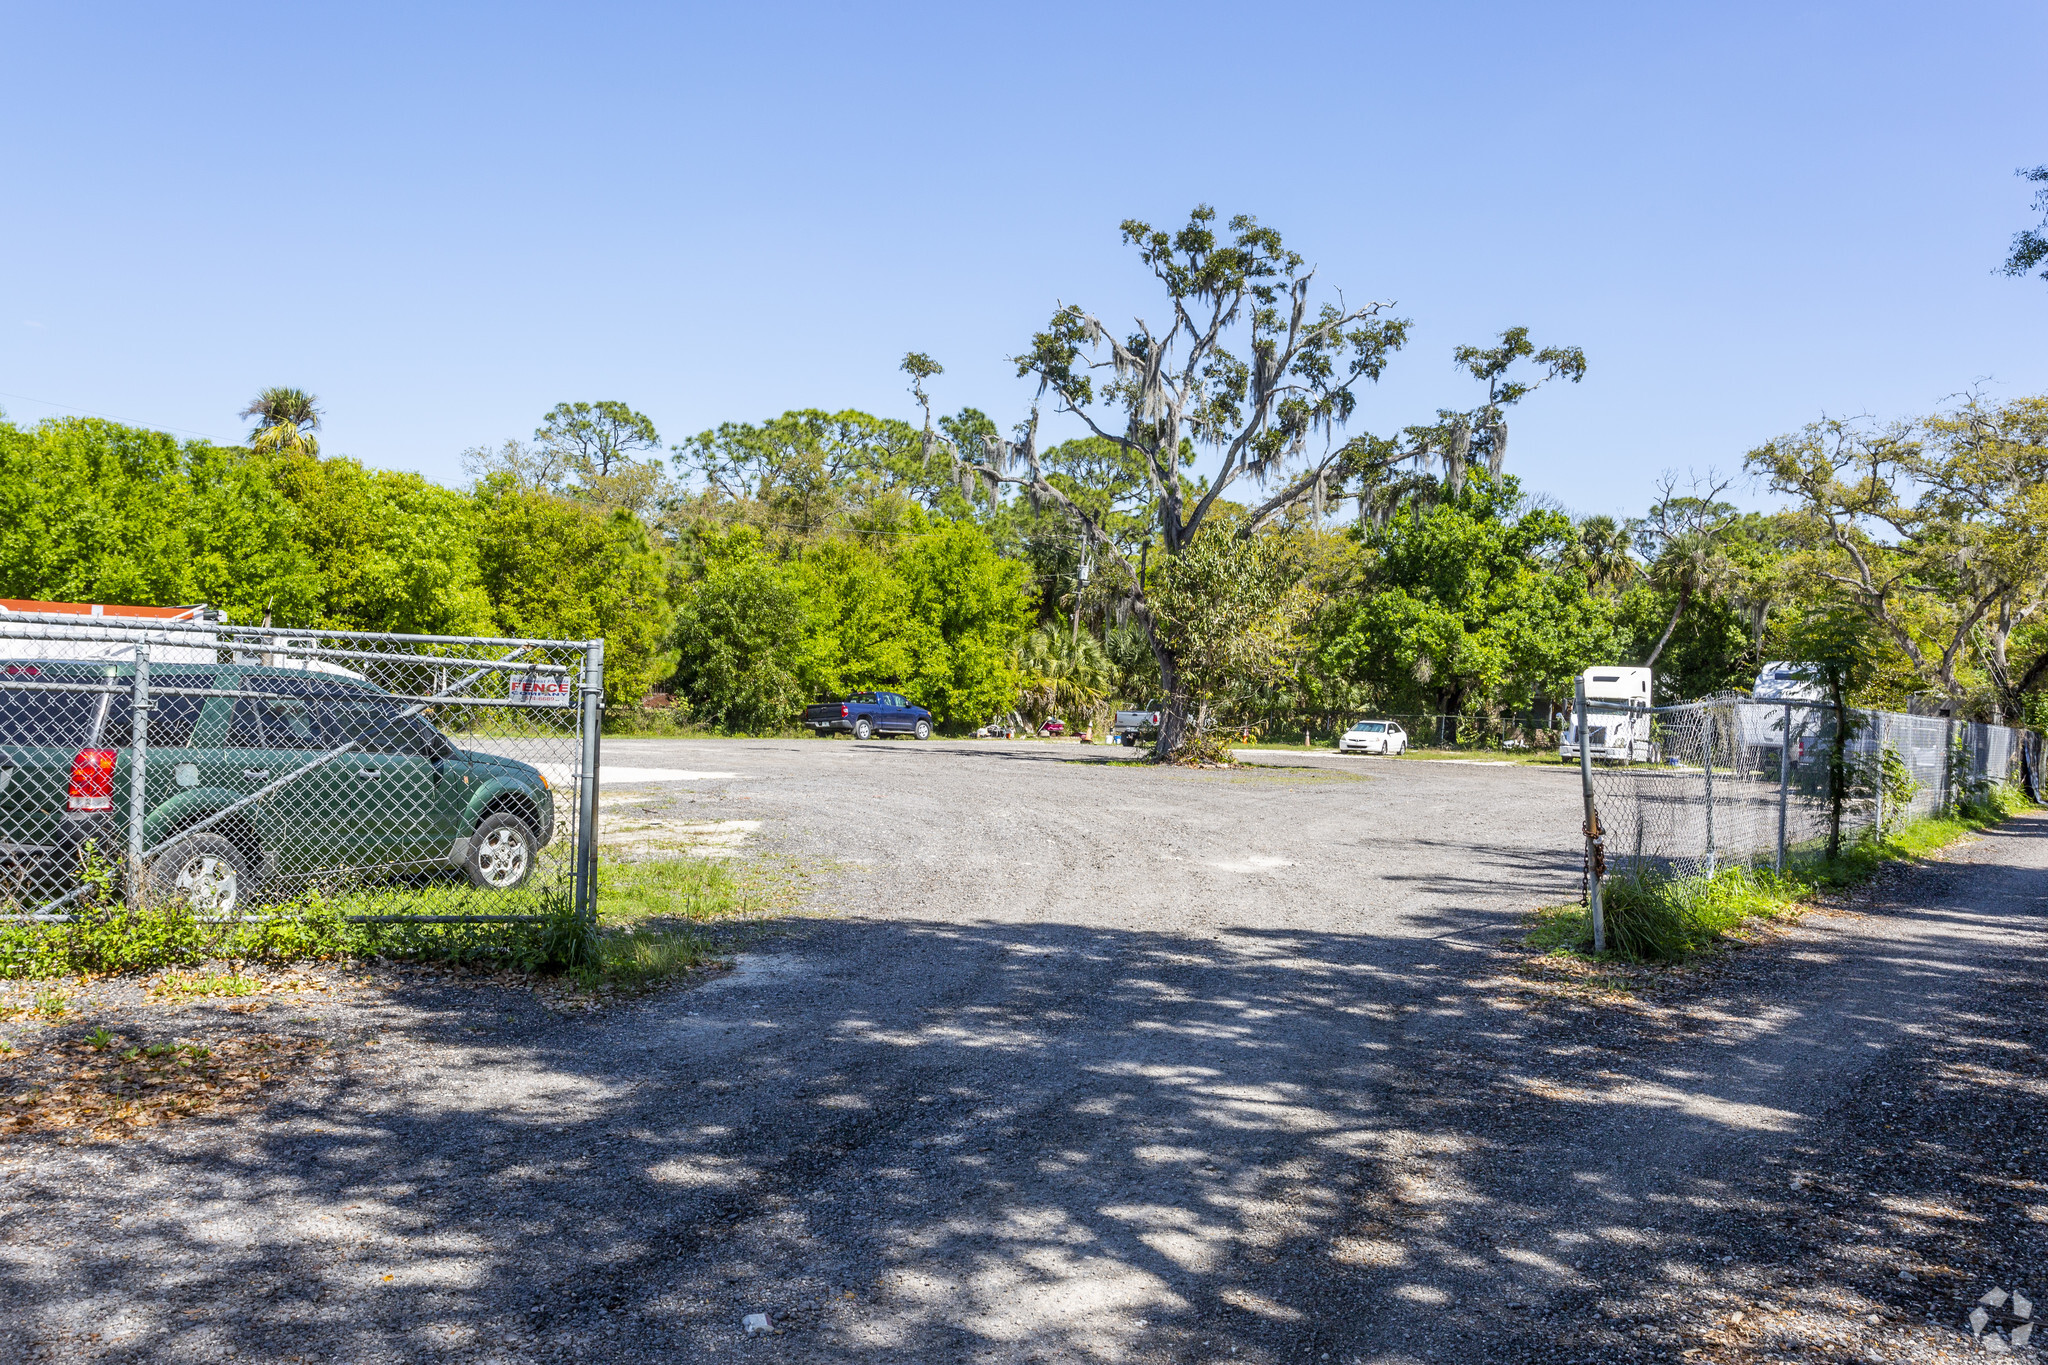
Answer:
[(397, 795)]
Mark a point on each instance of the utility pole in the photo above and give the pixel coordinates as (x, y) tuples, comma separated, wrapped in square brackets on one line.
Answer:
[(1080, 585)]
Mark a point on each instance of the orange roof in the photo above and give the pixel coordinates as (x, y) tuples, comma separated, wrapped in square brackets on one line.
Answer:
[(99, 609)]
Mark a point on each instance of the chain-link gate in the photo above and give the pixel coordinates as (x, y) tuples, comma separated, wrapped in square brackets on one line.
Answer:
[(1738, 781), (238, 769)]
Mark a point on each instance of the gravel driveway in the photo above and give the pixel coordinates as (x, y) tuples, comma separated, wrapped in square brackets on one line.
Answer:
[(1084, 1061)]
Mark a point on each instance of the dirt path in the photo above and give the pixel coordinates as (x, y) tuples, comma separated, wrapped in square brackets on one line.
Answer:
[(1108, 1064)]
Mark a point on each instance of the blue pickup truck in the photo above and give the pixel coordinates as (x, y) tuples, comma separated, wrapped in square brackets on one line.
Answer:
[(866, 714)]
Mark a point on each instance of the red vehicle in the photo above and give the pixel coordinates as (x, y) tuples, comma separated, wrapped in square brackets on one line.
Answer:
[(1053, 727)]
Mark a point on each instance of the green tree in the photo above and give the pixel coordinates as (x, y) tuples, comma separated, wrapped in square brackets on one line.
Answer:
[(393, 552), (977, 605), (1464, 605), (1706, 643), (1233, 611), (1241, 367), (1833, 643), (1457, 439), (596, 438), (94, 511), (1937, 531), (591, 451), (558, 569), (810, 471), (739, 636), (859, 631), (1683, 540), (1599, 551), (245, 540), (1062, 675)]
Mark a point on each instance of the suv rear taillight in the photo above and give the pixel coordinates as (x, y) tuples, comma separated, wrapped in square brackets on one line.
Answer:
[(92, 780)]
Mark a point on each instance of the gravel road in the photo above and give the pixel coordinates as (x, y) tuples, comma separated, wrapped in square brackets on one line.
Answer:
[(1080, 1061)]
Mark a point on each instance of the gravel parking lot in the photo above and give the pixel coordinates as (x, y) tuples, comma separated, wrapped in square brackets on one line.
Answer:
[(1077, 1060)]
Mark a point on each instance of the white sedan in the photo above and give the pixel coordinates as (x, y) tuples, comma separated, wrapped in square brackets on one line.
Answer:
[(1373, 737)]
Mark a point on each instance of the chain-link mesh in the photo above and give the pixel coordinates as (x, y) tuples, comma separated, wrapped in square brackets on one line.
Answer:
[(1734, 781), (234, 769)]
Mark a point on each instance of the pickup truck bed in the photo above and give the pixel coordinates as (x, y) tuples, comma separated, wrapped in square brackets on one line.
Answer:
[(1131, 726)]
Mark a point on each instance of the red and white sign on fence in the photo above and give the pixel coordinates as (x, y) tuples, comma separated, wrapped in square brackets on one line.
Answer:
[(532, 689)]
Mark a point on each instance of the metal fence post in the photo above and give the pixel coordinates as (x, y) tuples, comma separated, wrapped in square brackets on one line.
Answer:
[(1948, 765), (592, 722), (138, 770), (1707, 766), (1593, 869), (1784, 785)]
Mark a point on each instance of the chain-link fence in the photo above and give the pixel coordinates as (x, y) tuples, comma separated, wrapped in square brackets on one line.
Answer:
[(235, 769), (1735, 781)]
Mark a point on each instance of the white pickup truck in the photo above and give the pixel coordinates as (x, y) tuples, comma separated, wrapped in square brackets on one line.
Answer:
[(1131, 726)]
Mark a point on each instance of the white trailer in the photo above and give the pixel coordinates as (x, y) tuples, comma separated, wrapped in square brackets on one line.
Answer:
[(35, 630), (1617, 717), (1763, 718), (39, 630)]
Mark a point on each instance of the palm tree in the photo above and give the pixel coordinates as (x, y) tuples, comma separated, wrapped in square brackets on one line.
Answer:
[(1693, 564), (1600, 551), (285, 421), (1684, 540), (1062, 676)]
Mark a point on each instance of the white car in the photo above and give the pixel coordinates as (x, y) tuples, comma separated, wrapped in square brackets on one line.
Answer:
[(1373, 737)]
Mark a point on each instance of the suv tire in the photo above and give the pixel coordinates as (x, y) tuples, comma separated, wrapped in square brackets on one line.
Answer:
[(206, 872), (861, 728), (501, 853), (924, 728)]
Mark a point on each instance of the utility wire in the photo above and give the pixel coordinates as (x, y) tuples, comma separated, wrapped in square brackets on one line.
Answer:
[(82, 412)]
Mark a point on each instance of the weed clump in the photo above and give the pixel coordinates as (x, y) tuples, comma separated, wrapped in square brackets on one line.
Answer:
[(1653, 918)]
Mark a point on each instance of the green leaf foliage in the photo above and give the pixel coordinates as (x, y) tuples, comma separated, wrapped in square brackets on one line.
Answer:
[(1464, 603), (937, 620), (393, 551), (739, 638), (556, 568)]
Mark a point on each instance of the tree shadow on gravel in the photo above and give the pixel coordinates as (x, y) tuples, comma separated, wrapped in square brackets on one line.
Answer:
[(1005, 1143)]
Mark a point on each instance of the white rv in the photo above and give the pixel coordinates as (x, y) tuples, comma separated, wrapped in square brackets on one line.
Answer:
[(1762, 719), (1617, 716), (1764, 716), (1784, 682)]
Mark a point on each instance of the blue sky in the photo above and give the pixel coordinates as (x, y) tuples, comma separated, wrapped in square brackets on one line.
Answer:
[(443, 220)]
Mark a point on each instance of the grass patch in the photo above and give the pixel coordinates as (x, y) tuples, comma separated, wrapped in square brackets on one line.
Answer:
[(196, 985), (653, 925), (680, 888), (1652, 918), (656, 918), (117, 938), (648, 913)]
